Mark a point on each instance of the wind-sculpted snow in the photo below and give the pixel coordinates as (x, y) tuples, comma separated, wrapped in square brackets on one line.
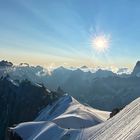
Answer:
[(124, 126), (69, 113)]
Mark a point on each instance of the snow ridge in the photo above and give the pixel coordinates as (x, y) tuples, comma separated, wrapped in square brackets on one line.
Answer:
[(61, 124)]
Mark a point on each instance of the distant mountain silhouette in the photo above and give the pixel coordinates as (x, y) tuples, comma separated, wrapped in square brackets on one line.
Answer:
[(136, 70), (4, 63), (84, 67)]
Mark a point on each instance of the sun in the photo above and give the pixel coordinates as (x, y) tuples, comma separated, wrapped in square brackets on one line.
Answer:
[(100, 43)]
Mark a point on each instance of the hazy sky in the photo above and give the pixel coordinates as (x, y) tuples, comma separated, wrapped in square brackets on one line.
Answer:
[(60, 32)]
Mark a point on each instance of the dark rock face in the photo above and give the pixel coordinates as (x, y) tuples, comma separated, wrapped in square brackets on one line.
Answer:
[(60, 91), (136, 69), (84, 67), (114, 112), (4, 63), (20, 103), (13, 135)]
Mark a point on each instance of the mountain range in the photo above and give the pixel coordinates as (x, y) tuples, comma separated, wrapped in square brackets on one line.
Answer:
[(30, 91), (99, 89)]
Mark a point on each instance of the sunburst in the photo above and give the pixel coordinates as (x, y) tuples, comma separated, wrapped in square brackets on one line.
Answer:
[(100, 43)]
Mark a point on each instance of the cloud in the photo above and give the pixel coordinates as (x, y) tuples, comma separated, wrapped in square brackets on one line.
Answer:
[(124, 71)]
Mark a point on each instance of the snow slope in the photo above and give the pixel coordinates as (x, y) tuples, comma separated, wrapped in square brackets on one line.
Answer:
[(67, 114), (69, 120), (123, 126)]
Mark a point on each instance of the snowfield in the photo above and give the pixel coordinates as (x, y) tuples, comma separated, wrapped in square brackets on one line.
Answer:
[(69, 108), (67, 119)]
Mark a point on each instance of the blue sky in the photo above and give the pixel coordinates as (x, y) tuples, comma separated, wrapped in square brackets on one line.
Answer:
[(59, 32)]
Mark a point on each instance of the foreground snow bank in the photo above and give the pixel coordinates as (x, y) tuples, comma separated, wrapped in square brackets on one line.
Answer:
[(67, 119)]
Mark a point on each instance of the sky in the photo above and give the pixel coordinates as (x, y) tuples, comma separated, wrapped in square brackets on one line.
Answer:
[(61, 32)]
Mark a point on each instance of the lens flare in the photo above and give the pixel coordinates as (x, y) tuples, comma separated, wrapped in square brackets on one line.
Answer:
[(100, 43)]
